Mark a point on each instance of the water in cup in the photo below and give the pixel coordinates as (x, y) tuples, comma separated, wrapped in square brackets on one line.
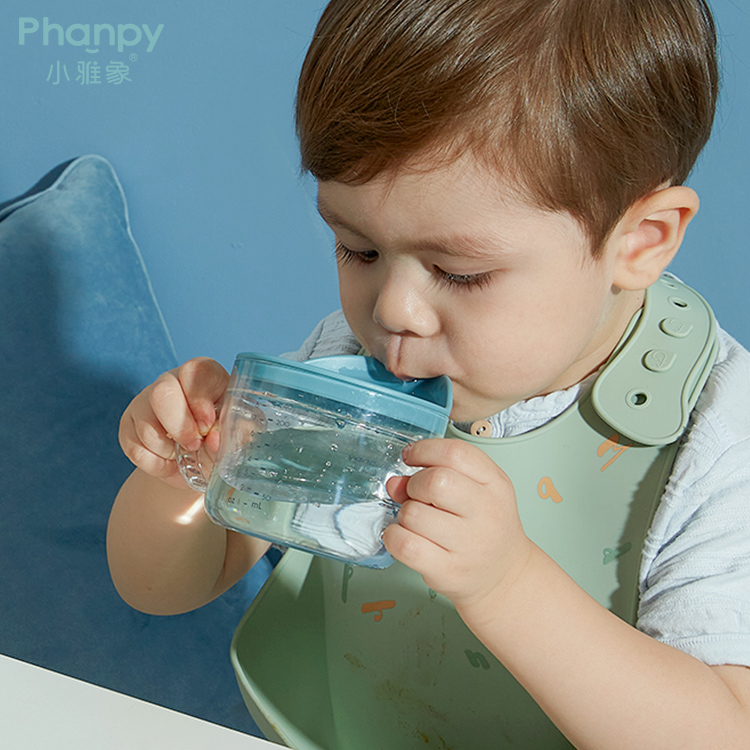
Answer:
[(309, 478), (307, 448)]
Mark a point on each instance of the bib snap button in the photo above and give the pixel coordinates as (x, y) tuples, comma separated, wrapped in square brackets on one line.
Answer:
[(481, 428)]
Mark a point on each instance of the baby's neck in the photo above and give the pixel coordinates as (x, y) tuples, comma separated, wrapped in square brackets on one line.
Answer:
[(624, 306)]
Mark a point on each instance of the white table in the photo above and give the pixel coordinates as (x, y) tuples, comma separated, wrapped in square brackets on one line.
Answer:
[(41, 709)]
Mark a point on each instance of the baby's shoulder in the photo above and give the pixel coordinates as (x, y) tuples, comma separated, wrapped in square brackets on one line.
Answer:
[(332, 336), (714, 452), (723, 409)]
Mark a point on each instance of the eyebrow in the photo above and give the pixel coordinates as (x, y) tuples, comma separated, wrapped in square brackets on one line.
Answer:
[(459, 245), (331, 218)]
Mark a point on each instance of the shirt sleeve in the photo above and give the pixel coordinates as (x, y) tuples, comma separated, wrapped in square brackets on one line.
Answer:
[(695, 575), (330, 337)]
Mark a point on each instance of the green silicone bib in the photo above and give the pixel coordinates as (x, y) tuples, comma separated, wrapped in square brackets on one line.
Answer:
[(330, 656)]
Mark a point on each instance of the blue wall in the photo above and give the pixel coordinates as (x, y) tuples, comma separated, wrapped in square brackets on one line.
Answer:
[(200, 133), (716, 254)]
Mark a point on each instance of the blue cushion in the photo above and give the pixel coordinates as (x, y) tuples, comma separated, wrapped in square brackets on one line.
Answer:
[(80, 335)]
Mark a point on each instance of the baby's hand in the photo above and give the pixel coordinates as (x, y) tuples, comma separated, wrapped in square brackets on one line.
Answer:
[(458, 524), (179, 406)]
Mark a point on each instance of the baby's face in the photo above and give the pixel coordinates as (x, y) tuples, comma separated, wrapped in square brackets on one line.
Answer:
[(446, 272)]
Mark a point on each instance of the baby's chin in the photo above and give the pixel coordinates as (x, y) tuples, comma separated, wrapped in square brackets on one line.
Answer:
[(468, 407), (463, 414)]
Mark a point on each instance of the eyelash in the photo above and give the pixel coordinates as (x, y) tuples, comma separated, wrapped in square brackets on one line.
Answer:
[(345, 256), (465, 281)]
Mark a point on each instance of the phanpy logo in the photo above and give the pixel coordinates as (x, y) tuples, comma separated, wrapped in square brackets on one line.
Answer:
[(91, 36)]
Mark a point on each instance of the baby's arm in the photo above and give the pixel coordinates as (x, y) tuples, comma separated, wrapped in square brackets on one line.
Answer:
[(604, 683), (165, 555)]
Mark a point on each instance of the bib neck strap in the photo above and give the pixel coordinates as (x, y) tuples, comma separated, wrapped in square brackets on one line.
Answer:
[(653, 379)]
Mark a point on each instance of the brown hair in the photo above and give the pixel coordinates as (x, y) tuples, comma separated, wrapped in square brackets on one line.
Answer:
[(589, 104)]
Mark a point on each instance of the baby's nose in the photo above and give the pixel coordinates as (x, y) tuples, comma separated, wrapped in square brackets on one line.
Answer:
[(402, 308)]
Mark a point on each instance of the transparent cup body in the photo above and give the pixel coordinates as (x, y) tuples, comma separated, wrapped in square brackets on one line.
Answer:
[(308, 472)]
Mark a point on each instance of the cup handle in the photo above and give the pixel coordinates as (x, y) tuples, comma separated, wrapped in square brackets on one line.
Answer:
[(191, 469), (189, 464)]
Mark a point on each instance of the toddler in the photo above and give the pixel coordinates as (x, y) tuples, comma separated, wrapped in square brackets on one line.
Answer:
[(505, 181)]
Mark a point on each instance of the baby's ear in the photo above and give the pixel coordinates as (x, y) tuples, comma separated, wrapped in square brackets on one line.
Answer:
[(648, 236)]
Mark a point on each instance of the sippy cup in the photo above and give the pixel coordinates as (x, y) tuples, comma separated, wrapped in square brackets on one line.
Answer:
[(307, 447)]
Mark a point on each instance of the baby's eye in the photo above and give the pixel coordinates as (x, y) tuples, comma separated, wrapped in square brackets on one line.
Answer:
[(464, 280), (345, 255)]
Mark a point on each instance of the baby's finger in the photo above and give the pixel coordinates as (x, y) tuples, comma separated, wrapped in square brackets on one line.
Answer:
[(140, 426), (152, 435), (416, 551), (458, 455), (169, 405), (153, 465), (442, 528), (141, 454), (396, 487), (424, 518), (203, 382), (444, 488)]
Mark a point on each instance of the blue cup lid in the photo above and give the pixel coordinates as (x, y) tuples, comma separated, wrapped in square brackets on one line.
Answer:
[(358, 381)]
